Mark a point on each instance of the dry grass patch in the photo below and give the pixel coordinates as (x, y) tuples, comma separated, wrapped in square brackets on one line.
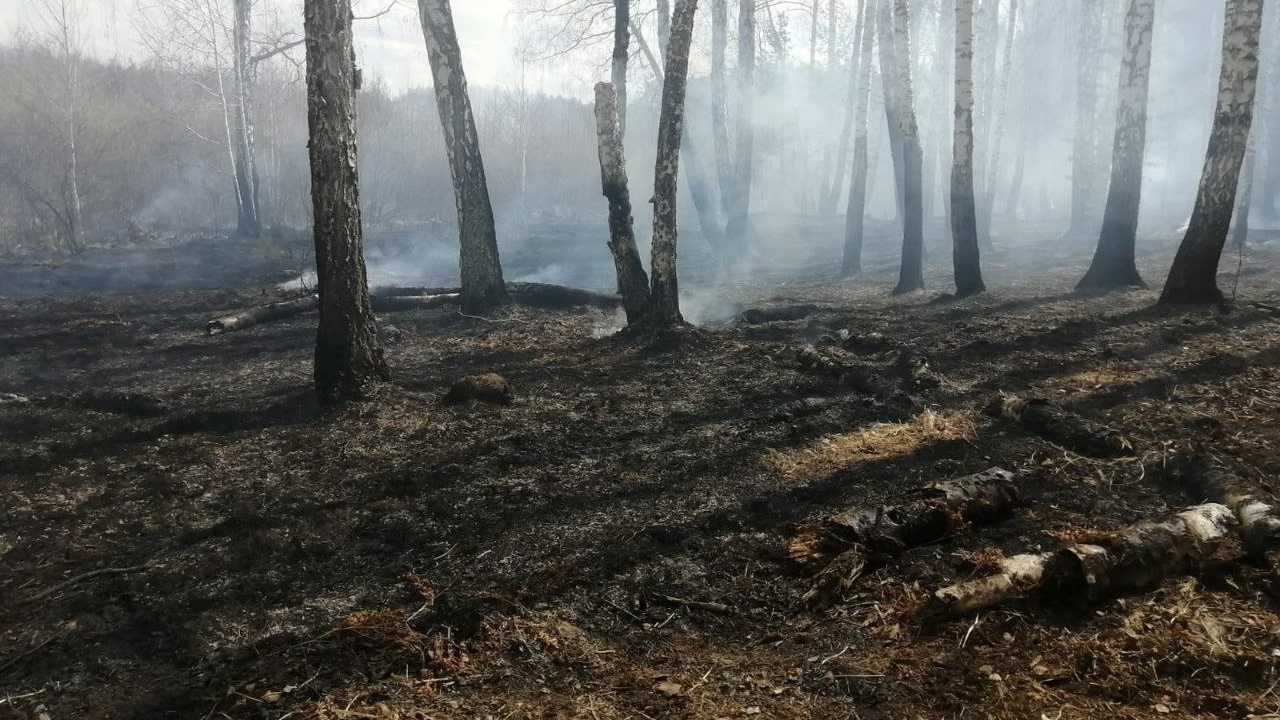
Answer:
[(876, 442)]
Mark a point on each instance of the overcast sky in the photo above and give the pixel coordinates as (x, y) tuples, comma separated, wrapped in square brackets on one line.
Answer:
[(390, 47)]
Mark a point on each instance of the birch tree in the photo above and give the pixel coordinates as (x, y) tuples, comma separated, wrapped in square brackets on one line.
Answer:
[(348, 357), (720, 101), (245, 165), (1084, 156), (1193, 277), (1114, 261), (964, 222), (911, 271), (66, 41), (741, 199), (855, 213), (621, 49), (481, 269), (633, 283), (666, 292)]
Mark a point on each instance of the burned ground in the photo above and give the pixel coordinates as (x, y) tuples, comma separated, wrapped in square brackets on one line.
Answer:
[(613, 543)]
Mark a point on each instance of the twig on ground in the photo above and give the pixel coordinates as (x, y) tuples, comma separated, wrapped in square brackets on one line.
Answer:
[(86, 576)]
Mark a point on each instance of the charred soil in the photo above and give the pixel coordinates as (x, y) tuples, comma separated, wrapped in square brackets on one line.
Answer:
[(186, 533)]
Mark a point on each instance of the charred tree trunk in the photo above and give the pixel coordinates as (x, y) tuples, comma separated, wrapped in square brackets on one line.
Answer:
[(1084, 158), (348, 356), (855, 213), (1115, 262), (741, 199), (1193, 278), (248, 218), (664, 27), (720, 102), (964, 223), (481, 269), (665, 295), (911, 273), (633, 283), (621, 46)]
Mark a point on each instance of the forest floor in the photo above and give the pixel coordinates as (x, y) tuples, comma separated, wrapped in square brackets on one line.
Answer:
[(185, 533)]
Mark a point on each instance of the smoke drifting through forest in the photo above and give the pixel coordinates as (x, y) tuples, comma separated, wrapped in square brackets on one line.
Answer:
[(153, 153)]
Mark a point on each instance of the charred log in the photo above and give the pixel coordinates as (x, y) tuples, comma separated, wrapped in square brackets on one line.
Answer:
[(784, 313), (1061, 426), (878, 533)]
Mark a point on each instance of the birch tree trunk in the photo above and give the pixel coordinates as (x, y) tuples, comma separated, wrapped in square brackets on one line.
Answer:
[(889, 78), (664, 27), (737, 226), (1001, 111), (666, 292), (1114, 262), (855, 213), (1244, 195), (911, 272), (633, 283), (720, 102), (832, 197), (481, 269), (248, 219), (1193, 277), (348, 356), (964, 223), (71, 68), (621, 45), (1084, 144)]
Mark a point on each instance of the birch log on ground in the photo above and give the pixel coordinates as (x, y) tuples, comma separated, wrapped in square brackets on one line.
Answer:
[(1061, 426), (1211, 479), (259, 315), (1132, 559)]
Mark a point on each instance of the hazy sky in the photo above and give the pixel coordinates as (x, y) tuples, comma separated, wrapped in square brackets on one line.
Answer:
[(390, 47)]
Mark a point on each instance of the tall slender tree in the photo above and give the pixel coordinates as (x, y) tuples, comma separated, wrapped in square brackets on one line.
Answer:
[(665, 291), (964, 222), (836, 189), (1193, 277), (621, 51), (1084, 153), (741, 202), (911, 271), (855, 213), (481, 269), (248, 218), (720, 101), (633, 282), (1114, 261), (891, 82), (348, 357), (1001, 112)]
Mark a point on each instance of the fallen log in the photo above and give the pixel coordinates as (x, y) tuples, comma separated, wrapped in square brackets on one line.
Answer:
[(266, 313), (784, 313), (392, 303), (840, 366), (559, 297), (1132, 559), (540, 295), (1061, 426), (1259, 527), (863, 537)]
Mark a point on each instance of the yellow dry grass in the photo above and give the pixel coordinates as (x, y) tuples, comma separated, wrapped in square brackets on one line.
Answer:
[(876, 442)]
